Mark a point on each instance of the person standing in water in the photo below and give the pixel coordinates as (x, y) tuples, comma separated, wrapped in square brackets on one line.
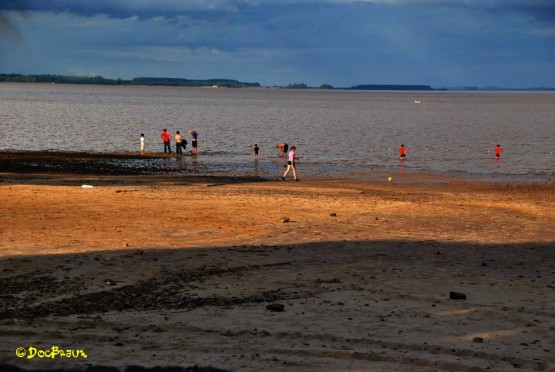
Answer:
[(283, 147), (402, 152), (256, 151), (194, 143), (291, 164), (498, 151), (142, 143), (178, 144), (166, 139)]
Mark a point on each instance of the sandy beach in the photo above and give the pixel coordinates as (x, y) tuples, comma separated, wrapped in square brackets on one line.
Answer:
[(158, 270)]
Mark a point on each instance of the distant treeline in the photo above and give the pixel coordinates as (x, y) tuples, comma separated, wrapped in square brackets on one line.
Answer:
[(365, 87), (61, 79), (192, 83), (391, 87)]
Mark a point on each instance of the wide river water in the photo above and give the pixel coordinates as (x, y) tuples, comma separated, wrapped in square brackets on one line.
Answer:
[(336, 132)]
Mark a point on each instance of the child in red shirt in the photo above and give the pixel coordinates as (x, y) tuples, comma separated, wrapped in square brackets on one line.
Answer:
[(497, 151), (403, 152)]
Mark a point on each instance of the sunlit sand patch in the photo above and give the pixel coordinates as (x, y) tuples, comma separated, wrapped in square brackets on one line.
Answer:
[(491, 335), (456, 312)]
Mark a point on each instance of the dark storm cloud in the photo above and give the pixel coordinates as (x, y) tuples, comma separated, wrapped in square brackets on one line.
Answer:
[(540, 9), (126, 8)]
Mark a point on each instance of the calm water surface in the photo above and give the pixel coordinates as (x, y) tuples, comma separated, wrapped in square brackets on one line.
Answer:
[(336, 132)]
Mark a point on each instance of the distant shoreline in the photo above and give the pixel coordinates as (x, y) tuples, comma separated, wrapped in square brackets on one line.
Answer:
[(231, 83)]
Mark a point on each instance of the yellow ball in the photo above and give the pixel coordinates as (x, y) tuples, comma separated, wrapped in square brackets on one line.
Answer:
[(390, 178)]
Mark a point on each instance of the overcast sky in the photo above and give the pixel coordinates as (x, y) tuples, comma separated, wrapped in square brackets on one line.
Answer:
[(505, 43)]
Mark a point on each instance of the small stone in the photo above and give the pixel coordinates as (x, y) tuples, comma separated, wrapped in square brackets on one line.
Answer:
[(275, 307), (333, 214), (457, 296), (478, 339), (284, 219)]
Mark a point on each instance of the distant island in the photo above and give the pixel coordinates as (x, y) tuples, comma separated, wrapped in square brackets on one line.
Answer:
[(365, 87), (391, 87)]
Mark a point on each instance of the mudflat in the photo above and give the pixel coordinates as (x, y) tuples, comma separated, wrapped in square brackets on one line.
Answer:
[(158, 270)]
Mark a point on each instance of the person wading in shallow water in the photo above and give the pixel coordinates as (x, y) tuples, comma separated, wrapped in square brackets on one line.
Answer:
[(402, 152), (283, 147), (166, 138), (194, 143), (178, 145), (498, 151), (291, 164)]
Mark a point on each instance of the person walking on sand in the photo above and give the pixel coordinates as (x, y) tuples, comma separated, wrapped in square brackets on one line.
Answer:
[(166, 139), (403, 152), (291, 164), (283, 147), (178, 144), (498, 151), (142, 143), (256, 151), (194, 142)]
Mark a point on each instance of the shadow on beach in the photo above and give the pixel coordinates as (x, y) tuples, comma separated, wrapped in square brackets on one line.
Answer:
[(362, 304)]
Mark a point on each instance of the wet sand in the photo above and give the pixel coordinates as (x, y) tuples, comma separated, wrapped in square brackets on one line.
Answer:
[(158, 270)]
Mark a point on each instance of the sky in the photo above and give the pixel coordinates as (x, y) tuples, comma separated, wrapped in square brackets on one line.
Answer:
[(441, 43)]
